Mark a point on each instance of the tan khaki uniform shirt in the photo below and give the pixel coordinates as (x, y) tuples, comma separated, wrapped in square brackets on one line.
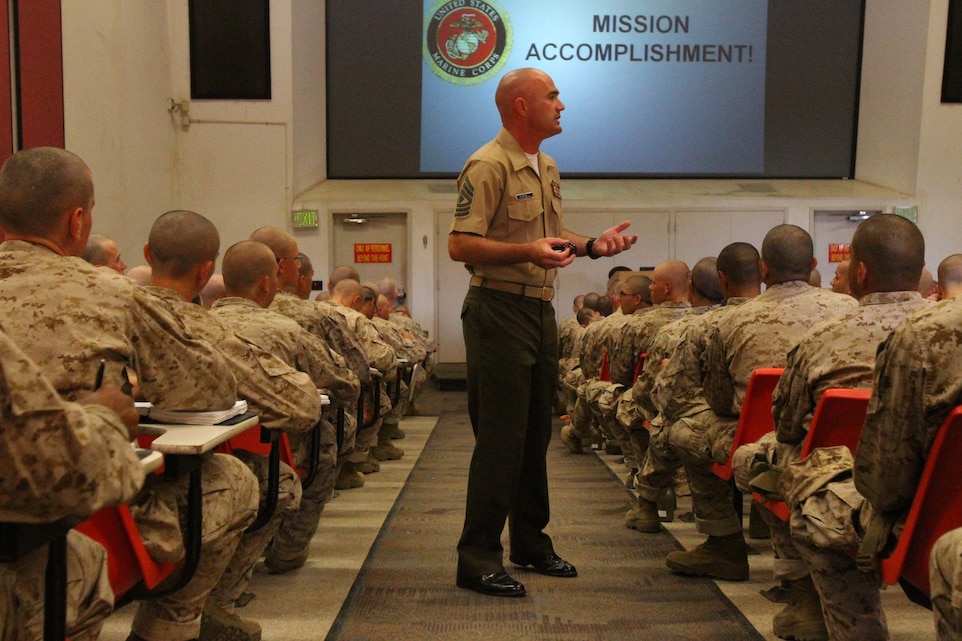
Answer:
[(501, 200)]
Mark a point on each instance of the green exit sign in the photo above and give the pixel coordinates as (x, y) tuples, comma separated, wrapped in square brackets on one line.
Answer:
[(304, 218)]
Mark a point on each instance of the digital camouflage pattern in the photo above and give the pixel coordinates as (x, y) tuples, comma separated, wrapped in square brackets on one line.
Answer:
[(637, 334), (945, 578)]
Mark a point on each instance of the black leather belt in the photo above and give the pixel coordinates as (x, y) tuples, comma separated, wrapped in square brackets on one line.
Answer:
[(519, 289)]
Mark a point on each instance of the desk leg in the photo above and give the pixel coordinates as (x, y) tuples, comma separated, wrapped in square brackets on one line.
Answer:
[(273, 483), (55, 591)]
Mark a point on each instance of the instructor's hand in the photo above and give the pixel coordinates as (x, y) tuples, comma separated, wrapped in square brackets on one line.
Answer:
[(613, 242), (543, 255)]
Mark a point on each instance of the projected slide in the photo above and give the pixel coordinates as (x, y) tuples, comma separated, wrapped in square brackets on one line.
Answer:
[(660, 87)]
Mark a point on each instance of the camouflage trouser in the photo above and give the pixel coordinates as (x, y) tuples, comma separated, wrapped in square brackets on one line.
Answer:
[(945, 575), (851, 602), (788, 564), (297, 528), (89, 597), (700, 440), (660, 466), (237, 574), (571, 380), (366, 437), (230, 500)]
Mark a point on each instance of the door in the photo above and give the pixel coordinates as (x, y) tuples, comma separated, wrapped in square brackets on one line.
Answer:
[(375, 244), (832, 234)]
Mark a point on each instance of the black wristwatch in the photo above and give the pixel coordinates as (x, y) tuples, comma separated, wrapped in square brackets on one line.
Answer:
[(589, 249)]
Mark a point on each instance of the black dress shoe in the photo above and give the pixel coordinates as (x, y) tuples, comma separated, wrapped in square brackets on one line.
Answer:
[(499, 584), (551, 565)]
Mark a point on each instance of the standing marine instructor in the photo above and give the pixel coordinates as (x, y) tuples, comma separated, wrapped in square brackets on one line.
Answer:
[(508, 231)]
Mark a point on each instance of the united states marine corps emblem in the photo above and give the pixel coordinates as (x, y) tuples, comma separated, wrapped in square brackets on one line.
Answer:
[(466, 41)]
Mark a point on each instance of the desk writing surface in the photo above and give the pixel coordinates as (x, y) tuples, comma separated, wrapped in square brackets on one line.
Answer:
[(196, 439), (150, 460)]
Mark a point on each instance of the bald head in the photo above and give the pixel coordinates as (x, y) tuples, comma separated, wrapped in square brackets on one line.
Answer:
[(342, 272), (246, 264), (383, 307), (38, 186), (669, 282), (346, 291), (279, 241), (140, 275), (739, 270), (515, 84), (101, 251), (705, 284), (181, 240), (950, 276), (887, 255), (787, 254)]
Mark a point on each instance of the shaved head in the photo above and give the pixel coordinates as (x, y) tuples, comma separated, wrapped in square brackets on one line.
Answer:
[(705, 282), (279, 241), (893, 250), (179, 241), (789, 254), (342, 272), (516, 84), (39, 185), (245, 264)]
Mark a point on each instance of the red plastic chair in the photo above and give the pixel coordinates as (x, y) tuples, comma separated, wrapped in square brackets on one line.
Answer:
[(639, 366), (128, 562), (604, 374), (936, 509), (838, 420), (755, 419)]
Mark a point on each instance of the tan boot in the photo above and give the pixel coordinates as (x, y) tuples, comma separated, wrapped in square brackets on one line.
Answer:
[(572, 440), (719, 557), (349, 478), (802, 618), (216, 624), (370, 466), (643, 517), (278, 565), (386, 451)]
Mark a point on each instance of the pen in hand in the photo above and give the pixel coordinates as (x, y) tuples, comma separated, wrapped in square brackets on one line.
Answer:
[(100, 374)]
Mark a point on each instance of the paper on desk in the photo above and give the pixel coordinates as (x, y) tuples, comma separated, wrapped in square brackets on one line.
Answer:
[(183, 417)]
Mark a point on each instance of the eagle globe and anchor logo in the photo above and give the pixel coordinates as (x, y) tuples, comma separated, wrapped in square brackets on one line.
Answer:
[(466, 41)]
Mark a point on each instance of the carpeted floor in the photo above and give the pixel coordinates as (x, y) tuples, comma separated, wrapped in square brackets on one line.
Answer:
[(624, 591)]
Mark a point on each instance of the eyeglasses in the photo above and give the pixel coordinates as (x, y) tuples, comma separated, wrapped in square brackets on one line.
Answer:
[(297, 258), (624, 293)]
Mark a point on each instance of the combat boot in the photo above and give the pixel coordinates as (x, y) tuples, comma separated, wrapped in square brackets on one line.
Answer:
[(802, 618), (216, 624), (385, 450), (719, 557), (572, 440), (349, 478), (278, 565), (643, 517)]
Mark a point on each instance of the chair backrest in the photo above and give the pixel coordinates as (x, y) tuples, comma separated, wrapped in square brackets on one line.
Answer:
[(639, 366), (755, 418), (128, 562), (838, 419), (250, 440), (604, 374), (936, 509)]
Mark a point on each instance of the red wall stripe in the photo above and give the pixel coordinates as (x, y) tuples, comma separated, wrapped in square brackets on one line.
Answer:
[(41, 73)]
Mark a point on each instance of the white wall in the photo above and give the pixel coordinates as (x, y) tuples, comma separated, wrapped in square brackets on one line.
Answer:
[(116, 83), (939, 184)]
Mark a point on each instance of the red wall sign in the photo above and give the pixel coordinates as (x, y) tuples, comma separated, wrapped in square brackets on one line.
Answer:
[(372, 252), (837, 252)]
